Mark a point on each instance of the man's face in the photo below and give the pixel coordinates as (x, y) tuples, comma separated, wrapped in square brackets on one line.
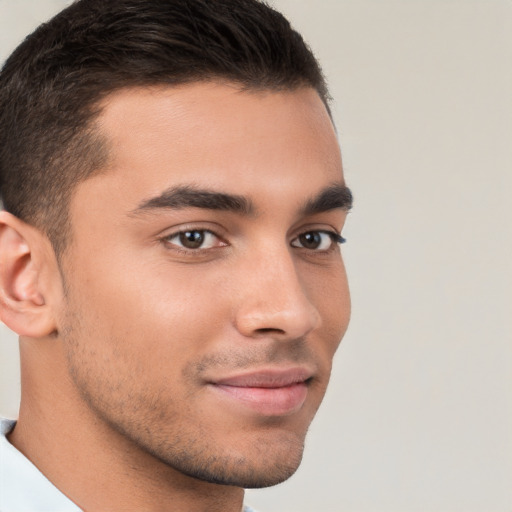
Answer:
[(206, 294)]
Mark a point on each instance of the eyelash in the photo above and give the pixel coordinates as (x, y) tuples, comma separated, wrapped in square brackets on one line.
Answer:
[(336, 239)]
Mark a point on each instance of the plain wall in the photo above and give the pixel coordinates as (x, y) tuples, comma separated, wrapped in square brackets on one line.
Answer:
[(418, 417)]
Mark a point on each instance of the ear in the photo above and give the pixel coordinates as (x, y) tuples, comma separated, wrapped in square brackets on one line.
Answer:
[(26, 260)]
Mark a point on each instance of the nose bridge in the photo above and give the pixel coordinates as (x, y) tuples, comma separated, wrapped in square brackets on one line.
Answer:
[(273, 297)]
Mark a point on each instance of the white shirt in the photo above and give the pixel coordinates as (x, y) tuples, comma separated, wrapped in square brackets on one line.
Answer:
[(23, 488)]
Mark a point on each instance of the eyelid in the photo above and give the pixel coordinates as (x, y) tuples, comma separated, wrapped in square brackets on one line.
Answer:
[(211, 227)]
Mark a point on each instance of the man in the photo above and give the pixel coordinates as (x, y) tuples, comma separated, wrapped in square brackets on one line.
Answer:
[(169, 254)]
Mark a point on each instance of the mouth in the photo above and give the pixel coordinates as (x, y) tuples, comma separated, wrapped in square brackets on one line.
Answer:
[(273, 392)]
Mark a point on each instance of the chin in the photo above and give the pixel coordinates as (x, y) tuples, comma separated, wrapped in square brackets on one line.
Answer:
[(254, 473), (257, 462)]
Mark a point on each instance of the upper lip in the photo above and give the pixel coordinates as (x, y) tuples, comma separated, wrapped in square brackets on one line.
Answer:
[(268, 378)]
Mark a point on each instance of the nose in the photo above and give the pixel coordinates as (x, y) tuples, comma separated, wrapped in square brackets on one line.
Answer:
[(273, 301)]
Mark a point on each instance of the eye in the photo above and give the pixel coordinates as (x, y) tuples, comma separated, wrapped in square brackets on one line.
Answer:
[(317, 240), (195, 239)]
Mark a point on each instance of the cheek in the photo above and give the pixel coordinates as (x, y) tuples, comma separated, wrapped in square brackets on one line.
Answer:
[(129, 340), (150, 310), (328, 290)]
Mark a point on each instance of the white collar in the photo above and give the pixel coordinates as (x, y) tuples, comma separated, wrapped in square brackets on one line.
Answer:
[(23, 488)]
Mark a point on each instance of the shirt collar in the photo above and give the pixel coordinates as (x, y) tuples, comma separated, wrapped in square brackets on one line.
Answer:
[(23, 488)]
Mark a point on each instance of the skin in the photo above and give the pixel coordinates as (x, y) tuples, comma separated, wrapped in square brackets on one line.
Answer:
[(124, 341)]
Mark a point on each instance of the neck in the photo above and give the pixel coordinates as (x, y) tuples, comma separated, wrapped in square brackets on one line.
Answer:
[(78, 452)]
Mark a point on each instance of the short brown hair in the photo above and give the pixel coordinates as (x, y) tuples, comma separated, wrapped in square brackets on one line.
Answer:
[(51, 85)]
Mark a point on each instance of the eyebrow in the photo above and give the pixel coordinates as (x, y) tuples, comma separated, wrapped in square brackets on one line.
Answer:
[(332, 197), (188, 196)]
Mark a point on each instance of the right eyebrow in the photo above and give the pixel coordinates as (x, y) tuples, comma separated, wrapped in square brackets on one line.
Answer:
[(188, 196)]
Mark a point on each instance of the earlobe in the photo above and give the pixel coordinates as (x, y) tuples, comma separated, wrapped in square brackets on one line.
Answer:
[(23, 301)]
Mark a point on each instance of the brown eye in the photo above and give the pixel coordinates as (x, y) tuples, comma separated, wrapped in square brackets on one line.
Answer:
[(310, 240), (194, 239), (317, 240)]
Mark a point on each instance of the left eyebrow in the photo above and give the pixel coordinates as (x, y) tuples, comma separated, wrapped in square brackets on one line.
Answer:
[(330, 198)]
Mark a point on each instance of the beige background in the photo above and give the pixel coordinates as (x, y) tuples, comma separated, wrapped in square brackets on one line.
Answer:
[(419, 414)]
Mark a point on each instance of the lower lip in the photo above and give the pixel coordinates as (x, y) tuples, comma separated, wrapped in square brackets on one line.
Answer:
[(280, 401)]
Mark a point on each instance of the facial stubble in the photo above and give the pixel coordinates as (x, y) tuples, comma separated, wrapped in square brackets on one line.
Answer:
[(158, 424)]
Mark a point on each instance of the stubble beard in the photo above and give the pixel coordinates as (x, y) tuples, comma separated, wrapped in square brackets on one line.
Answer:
[(149, 425)]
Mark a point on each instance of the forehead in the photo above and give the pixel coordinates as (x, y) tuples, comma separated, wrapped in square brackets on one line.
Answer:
[(194, 121), (215, 136)]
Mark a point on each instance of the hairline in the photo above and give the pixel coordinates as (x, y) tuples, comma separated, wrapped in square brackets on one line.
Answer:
[(101, 142)]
